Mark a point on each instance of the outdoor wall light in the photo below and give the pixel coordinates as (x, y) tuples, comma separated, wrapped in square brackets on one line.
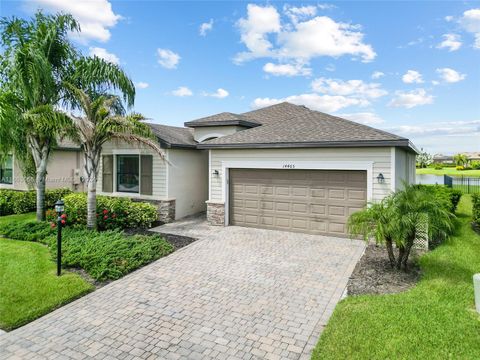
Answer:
[(59, 208), (380, 178), (216, 173)]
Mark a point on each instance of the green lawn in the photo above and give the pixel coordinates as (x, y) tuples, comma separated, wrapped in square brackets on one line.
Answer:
[(449, 171), (434, 320), (21, 217), (29, 287)]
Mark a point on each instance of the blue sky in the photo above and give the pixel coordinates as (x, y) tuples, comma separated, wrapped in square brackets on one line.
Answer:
[(411, 68)]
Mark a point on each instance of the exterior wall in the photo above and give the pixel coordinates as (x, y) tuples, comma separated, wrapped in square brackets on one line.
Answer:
[(64, 169), (118, 147), (404, 168), (380, 158), (202, 133), (188, 180)]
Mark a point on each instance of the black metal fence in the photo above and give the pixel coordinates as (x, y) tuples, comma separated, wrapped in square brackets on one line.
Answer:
[(468, 185)]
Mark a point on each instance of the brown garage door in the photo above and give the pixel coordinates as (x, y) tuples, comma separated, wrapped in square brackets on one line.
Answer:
[(310, 201)]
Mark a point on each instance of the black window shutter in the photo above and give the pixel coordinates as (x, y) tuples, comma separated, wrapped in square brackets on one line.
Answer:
[(146, 176), (107, 173)]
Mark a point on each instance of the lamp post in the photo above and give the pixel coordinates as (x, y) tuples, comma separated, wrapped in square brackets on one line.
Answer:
[(59, 208)]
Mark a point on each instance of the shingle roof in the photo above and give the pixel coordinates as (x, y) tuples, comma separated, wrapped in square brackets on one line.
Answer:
[(224, 118), (289, 125), (172, 136)]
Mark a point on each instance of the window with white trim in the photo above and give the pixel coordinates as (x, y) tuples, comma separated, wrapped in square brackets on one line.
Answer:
[(6, 170)]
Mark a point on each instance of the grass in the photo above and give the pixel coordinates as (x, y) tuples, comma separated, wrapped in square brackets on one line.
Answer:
[(449, 171), (29, 287), (21, 217), (434, 320)]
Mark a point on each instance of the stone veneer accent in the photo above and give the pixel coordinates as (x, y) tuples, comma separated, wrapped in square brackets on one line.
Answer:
[(216, 213), (166, 209)]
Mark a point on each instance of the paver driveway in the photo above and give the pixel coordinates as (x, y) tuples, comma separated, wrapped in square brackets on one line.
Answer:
[(235, 293)]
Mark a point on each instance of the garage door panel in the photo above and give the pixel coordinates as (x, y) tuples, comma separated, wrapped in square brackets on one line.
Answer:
[(311, 201)]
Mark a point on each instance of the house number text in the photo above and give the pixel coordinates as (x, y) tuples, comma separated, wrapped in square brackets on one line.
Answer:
[(289, 166)]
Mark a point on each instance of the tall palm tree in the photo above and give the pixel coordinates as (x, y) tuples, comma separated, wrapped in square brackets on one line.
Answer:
[(103, 119), (37, 57)]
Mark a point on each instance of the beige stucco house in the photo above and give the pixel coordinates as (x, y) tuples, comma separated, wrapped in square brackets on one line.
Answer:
[(281, 167)]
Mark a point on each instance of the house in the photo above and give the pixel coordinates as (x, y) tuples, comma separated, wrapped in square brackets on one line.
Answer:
[(177, 184), (448, 159), (280, 167), (64, 170), (288, 167)]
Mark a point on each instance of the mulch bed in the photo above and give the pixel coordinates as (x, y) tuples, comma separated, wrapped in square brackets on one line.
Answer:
[(176, 240), (374, 275)]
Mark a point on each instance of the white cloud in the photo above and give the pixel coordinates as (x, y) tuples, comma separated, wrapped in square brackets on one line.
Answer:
[(439, 128), (182, 91), (450, 76), (254, 29), (167, 58), (326, 6), (264, 35), (287, 69), (448, 18), (366, 118), (410, 99), (104, 54), (299, 13), (470, 21), (325, 103), (142, 85), (95, 17), (330, 67), (206, 27), (377, 75), (451, 42), (412, 77), (353, 88), (219, 94)]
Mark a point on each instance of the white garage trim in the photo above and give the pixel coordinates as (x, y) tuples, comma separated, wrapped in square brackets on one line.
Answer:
[(294, 165), (392, 169)]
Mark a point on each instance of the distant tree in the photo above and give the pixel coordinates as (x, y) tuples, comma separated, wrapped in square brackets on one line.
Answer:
[(424, 159), (460, 159)]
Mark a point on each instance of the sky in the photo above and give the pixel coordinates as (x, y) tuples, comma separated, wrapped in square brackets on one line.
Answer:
[(411, 67)]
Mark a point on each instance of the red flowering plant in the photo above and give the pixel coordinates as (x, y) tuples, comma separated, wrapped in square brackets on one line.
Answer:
[(51, 216)]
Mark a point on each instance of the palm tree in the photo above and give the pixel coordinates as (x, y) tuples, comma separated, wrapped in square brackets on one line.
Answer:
[(374, 222), (398, 220), (37, 57), (460, 159), (103, 119)]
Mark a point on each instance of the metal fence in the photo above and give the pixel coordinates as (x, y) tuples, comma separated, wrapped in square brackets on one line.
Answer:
[(468, 185)]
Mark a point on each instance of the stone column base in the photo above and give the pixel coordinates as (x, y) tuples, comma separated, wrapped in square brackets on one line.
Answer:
[(165, 208), (216, 213)]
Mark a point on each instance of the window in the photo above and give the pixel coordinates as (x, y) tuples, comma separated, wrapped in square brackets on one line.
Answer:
[(6, 170), (128, 173)]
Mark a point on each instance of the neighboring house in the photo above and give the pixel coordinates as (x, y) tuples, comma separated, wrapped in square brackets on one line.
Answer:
[(448, 159), (64, 170), (287, 167)]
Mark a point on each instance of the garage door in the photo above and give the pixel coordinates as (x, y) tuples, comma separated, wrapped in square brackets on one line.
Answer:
[(310, 201)]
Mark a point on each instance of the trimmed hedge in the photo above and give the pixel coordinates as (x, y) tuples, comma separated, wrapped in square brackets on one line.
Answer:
[(112, 212), (476, 208), (22, 202), (108, 255)]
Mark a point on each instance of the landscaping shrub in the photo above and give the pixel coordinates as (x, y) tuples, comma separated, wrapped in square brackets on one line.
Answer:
[(22, 202), (112, 212), (475, 165), (459, 168), (450, 197), (438, 166), (26, 230), (108, 255), (476, 208)]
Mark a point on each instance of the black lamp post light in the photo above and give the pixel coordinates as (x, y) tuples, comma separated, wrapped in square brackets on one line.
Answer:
[(381, 179), (59, 208)]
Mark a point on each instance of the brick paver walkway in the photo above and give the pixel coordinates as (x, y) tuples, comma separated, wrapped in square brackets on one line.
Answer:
[(237, 293)]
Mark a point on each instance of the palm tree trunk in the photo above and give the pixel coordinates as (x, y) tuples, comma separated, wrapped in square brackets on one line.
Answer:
[(90, 167), (40, 187), (408, 249), (391, 254), (401, 253)]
